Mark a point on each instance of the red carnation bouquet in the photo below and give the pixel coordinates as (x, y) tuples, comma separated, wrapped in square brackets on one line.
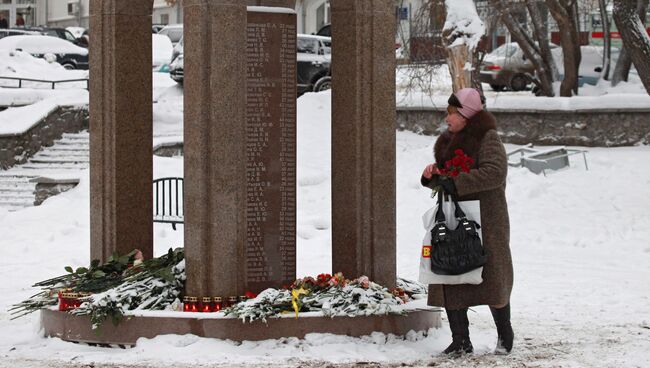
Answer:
[(460, 163)]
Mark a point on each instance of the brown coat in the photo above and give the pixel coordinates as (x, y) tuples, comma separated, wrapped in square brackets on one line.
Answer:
[(486, 182)]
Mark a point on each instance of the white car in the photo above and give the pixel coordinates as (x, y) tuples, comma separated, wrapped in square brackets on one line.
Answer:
[(67, 54)]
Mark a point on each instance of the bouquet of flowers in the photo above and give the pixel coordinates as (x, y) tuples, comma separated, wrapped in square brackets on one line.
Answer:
[(461, 163)]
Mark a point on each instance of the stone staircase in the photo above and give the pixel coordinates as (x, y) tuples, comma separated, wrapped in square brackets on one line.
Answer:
[(67, 156)]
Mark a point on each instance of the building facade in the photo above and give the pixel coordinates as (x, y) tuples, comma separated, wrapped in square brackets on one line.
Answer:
[(74, 13)]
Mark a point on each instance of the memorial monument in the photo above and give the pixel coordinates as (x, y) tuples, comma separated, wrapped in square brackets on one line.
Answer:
[(240, 156)]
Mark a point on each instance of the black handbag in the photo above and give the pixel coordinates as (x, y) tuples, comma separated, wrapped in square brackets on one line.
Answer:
[(458, 251)]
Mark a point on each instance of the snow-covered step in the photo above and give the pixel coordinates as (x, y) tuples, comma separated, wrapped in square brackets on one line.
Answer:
[(17, 197), (56, 152), (59, 159), (69, 148), (16, 202), (12, 190), (82, 136), (72, 142), (54, 166)]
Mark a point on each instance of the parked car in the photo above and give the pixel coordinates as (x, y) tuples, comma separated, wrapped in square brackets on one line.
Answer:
[(17, 32), (77, 32), (325, 31), (61, 33), (508, 67), (48, 48), (178, 49), (174, 32), (314, 57), (176, 69), (156, 28)]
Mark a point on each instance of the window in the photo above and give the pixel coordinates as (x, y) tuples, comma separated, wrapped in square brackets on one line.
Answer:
[(323, 15), (307, 45), (164, 18)]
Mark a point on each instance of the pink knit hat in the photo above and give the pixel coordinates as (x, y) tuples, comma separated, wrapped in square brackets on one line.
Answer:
[(470, 99)]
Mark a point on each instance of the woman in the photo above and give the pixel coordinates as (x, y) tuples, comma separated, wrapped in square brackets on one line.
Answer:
[(473, 130)]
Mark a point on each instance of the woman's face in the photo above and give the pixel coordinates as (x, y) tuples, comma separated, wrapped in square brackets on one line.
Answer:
[(455, 120)]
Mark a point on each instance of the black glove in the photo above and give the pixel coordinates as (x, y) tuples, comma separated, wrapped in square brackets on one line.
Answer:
[(448, 185)]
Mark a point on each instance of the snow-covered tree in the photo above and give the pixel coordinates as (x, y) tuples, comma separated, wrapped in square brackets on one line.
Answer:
[(462, 31)]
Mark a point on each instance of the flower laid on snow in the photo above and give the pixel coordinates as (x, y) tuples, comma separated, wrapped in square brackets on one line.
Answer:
[(330, 295)]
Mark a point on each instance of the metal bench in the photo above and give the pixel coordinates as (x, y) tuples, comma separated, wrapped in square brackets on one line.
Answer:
[(539, 161), (168, 201)]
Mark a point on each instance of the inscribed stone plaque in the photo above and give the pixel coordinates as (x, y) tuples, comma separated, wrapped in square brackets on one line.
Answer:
[(271, 149)]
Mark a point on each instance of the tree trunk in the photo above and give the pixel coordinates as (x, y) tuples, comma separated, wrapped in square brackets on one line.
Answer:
[(635, 38), (541, 34), (529, 48), (624, 63), (457, 57), (607, 40), (565, 16)]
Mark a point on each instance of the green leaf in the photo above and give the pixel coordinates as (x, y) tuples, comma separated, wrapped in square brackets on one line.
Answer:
[(94, 263), (81, 270), (69, 269), (98, 274)]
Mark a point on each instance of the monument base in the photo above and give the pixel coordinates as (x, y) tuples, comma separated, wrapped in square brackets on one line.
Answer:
[(73, 328)]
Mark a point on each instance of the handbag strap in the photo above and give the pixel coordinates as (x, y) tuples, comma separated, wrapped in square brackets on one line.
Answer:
[(440, 214)]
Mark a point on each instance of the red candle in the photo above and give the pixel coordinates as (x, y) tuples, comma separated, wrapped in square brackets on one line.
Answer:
[(63, 304), (194, 301), (186, 304), (217, 304), (206, 304)]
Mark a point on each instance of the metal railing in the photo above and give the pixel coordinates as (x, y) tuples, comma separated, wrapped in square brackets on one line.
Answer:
[(168, 201), (52, 83)]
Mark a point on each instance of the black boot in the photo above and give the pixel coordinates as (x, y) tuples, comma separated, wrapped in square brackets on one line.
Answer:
[(459, 325), (504, 329)]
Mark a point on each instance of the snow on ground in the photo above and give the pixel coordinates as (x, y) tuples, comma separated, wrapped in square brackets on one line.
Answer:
[(21, 64), (578, 238)]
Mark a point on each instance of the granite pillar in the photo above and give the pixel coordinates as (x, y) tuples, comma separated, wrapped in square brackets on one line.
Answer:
[(215, 152), (121, 160), (363, 139)]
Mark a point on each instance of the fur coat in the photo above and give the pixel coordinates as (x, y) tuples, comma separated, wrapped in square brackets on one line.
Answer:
[(486, 182)]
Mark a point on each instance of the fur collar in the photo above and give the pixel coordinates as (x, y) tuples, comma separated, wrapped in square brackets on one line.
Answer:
[(469, 139)]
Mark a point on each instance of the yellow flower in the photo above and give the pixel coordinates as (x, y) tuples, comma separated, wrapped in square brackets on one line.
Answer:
[(295, 298)]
